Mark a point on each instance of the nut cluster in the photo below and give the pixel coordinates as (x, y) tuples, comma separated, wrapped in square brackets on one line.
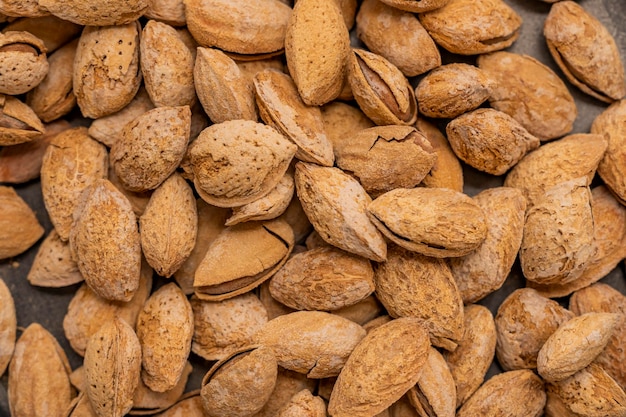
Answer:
[(250, 185)]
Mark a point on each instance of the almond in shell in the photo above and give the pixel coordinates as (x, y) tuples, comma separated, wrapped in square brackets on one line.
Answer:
[(23, 62), (53, 265), (18, 122), (8, 326), (95, 13), (19, 227)]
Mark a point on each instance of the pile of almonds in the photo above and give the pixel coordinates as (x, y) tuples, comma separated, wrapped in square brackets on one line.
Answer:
[(244, 188)]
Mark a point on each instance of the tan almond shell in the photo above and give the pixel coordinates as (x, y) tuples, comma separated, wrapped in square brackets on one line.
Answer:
[(341, 120), (314, 343), (241, 257), (412, 285), (436, 222), (171, 12), (362, 312), (383, 158), (223, 89), (167, 66), (53, 98), (190, 406), (483, 271), (95, 13), (39, 383), (20, 123), (53, 32), (19, 227), (558, 234), (107, 71), (168, 226), (416, 6), (382, 92), (453, 89), (238, 161), (288, 383), (531, 93), (22, 163), (281, 107), (555, 407), (297, 219), (210, 224), (8, 324), (22, 8), (317, 44), (269, 207), (108, 129), (382, 367), (323, 279), (601, 297), (326, 190), (447, 171), (575, 344), (250, 69), (53, 265), (105, 225), (398, 36), (470, 27), (151, 147), (514, 393), (243, 27), (470, 361), (590, 392), (304, 404), (72, 162), (164, 330), (223, 326), (565, 159), (585, 51), (489, 140), (87, 312), (240, 384), (23, 62), (524, 321), (112, 366), (273, 307), (435, 391), (149, 402), (612, 168)]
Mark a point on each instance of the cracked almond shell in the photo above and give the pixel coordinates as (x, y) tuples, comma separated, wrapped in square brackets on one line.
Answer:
[(238, 161), (314, 343), (103, 225), (471, 27), (18, 122), (382, 368), (435, 391), (107, 72), (23, 62), (240, 384), (381, 90), (585, 51), (383, 158), (336, 204), (281, 107), (221, 326), (53, 265), (435, 222), (241, 258), (19, 227)]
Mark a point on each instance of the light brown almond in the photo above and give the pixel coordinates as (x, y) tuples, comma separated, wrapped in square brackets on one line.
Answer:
[(8, 326), (19, 227)]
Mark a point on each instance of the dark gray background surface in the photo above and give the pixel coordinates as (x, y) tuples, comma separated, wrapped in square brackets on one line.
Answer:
[(48, 306)]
